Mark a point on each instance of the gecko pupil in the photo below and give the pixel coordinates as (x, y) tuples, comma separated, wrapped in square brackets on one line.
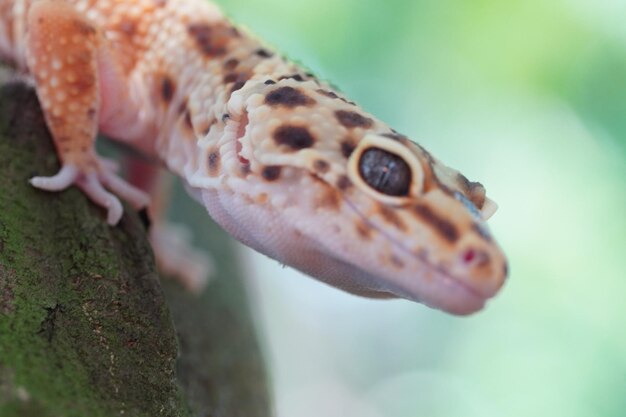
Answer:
[(385, 172)]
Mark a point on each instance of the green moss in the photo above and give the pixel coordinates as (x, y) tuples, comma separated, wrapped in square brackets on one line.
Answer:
[(84, 330), (83, 324)]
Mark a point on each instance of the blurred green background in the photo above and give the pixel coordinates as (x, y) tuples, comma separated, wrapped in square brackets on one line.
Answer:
[(526, 96)]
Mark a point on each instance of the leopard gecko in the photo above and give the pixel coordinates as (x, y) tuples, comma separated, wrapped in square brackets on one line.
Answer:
[(282, 161)]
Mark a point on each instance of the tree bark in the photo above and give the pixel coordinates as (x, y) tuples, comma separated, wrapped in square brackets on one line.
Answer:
[(85, 329)]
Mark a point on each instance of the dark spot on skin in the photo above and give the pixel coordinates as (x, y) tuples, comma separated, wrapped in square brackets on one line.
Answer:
[(385, 172), (397, 262), (363, 229), (230, 78), (263, 53), (239, 81), (237, 86), (347, 147), (91, 113), (351, 119), (391, 217), (262, 198), (211, 39), (296, 77), (329, 199), (214, 163), (269, 82), (343, 183), (271, 173), (231, 64), (443, 227), (421, 252), (294, 137), (225, 117), (288, 97), (327, 93), (321, 166), (167, 89)]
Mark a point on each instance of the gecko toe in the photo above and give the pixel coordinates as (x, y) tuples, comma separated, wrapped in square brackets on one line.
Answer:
[(63, 179), (90, 184), (133, 195), (93, 183)]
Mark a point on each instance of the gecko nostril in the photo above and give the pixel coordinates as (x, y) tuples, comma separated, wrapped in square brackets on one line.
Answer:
[(469, 255), (475, 258)]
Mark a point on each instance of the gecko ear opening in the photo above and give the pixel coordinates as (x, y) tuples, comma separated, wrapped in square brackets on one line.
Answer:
[(386, 170)]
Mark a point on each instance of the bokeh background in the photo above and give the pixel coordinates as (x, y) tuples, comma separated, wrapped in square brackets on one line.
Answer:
[(526, 96)]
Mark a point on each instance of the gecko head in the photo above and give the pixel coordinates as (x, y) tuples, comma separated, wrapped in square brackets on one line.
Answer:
[(335, 193)]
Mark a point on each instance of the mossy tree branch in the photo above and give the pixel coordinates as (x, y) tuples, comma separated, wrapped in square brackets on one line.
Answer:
[(84, 325)]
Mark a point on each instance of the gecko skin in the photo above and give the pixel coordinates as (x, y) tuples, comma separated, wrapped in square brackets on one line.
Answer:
[(281, 161)]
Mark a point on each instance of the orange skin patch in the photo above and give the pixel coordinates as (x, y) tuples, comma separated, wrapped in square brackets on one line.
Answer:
[(363, 229), (62, 49)]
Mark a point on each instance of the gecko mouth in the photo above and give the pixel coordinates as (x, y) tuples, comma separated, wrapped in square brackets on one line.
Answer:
[(446, 287)]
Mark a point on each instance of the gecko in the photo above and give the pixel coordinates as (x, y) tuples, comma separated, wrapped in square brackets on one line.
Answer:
[(281, 160)]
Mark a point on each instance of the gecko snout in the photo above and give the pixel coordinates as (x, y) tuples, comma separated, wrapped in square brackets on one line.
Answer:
[(483, 267)]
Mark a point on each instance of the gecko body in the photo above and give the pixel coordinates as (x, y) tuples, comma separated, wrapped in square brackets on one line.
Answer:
[(283, 162)]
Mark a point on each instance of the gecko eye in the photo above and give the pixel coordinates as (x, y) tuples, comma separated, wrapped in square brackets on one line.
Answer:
[(386, 169), (385, 172)]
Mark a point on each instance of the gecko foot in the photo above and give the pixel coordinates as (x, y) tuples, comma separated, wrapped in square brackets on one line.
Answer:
[(176, 257), (92, 182)]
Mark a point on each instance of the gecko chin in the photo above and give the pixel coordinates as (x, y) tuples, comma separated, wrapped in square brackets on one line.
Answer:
[(412, 277), (433, 288)]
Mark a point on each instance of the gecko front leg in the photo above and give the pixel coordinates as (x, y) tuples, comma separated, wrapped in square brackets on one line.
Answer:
[(65, 53)]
